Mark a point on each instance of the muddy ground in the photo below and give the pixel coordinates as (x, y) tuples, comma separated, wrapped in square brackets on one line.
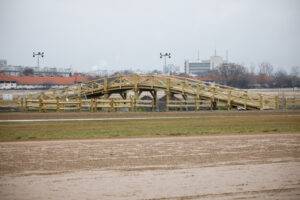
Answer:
[(208, 167)]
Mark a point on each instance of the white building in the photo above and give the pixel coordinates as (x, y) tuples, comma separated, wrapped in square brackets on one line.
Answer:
[(204, 66), (196, 67), (215, 61)]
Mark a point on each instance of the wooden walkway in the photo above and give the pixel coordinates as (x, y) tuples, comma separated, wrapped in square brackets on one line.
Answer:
[(176, 93)]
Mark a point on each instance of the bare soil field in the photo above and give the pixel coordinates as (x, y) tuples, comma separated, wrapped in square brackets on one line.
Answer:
[(261, 166)]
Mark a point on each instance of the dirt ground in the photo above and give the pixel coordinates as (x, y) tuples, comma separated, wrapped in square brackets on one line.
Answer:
[(76, 115), (207, 167)]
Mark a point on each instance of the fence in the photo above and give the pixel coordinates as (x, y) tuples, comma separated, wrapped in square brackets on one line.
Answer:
[(94, 105)]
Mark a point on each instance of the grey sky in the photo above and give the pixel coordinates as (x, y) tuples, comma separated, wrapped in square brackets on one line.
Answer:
[(132, 33)]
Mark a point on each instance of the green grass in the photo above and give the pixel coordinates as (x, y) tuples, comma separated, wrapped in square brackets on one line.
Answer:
[(243, 124)]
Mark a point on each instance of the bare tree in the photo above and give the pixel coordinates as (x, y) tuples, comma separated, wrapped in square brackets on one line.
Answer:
[(295, 71), (281, 79), (233, 75), (266, 69)]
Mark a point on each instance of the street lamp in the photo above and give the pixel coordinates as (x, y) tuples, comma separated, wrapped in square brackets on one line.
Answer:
[(38, 54), (165, 56)]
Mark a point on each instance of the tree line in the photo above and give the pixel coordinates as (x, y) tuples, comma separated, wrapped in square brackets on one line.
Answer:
[(237, 75)]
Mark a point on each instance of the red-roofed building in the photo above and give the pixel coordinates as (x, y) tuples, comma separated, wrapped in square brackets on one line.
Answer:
[(38, 82)]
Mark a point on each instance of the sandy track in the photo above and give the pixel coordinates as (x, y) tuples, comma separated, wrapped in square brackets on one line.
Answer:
[(212, 167)]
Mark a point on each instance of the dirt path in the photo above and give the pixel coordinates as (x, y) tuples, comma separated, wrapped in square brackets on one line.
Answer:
[(131, 118), (212, 167), (88, 115)]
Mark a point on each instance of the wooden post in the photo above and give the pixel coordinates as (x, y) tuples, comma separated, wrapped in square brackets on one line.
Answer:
[(196, 103), (136, 92), (168, 93), (154, 100), (136, 79), (131, 103), (229, 100), (261, 102), (41, 104), (79, 104), (57, 104), (198, 97), (294, 102), (167, 101), (212, 100), (26, 104), (120, 81), (183, 83), (184, 103), (105, 86), (152, 82), (22, 103), (111, 105), (245, 95), (95, 100), (276, 102), (92, 105)]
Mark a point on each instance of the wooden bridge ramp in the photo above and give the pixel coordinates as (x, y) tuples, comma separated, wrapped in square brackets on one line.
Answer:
[(194, 93)]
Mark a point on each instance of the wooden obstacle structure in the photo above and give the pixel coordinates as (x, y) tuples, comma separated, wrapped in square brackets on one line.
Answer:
[(173, 92)]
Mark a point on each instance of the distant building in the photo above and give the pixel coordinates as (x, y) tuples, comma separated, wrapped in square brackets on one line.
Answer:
[(200, 68), (37, 71), (8, 82), (215, 61), (3, 63), (197, 67), (12, 70)]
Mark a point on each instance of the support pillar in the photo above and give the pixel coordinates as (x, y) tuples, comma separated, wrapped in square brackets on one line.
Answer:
[(167, 101), (41, 106), (213, 104), (154, 100)]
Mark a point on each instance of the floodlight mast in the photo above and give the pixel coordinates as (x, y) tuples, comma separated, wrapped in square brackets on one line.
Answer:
[(38, 55), (165, 56)]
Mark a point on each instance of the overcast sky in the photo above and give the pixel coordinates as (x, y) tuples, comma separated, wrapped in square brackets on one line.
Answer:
[(131, 33)]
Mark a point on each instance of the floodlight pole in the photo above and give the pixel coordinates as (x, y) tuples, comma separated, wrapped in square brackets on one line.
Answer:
[(38, 54), (165, 56)]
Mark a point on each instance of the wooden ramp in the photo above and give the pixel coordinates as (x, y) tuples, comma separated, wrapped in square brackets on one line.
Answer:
[(194, 95)]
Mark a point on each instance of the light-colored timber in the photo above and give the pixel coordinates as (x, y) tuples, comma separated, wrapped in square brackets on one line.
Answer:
[(195, 95)]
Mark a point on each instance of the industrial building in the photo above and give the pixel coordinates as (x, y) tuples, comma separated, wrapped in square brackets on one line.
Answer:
[(36, 71), (197, 67), (204, 66), (3, 63)]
